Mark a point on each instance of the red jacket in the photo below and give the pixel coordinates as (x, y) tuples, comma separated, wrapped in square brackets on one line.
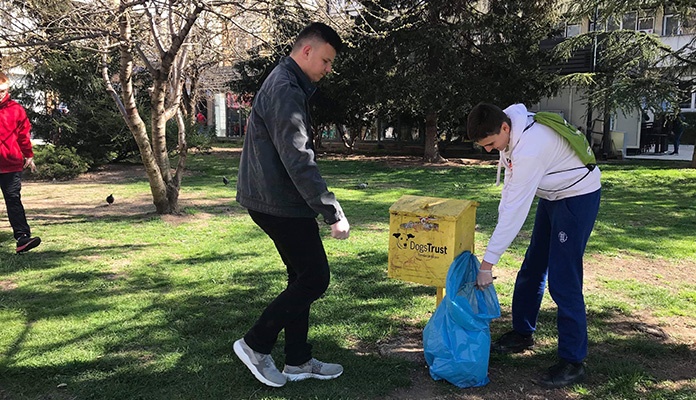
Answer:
[(15, 142)]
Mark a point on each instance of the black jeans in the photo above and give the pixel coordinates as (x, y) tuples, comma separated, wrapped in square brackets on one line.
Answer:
[(11, 184), (300, 247)]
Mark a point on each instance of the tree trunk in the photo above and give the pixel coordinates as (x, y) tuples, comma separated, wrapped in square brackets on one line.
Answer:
[(432, 153), (158, 186), (165, 102), (168, 204), (606, 133)]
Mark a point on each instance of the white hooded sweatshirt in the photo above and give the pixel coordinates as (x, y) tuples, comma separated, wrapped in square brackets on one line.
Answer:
[(532, 162)]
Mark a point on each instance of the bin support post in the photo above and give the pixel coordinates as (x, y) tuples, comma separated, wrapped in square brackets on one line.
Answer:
[(439, 295)]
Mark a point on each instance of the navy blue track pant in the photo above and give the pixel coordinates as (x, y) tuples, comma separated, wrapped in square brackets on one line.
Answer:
[(301, 249), (11, 185), (561, 231)]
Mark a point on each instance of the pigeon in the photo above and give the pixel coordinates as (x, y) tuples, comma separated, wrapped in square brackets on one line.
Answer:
[(225, 180), (361, 185), (110, 199)]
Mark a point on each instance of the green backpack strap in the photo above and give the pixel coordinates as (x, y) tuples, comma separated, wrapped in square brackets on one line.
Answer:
[(575, 138)]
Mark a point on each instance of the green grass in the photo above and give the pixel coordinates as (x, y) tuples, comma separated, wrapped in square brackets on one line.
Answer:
[(130, 305)]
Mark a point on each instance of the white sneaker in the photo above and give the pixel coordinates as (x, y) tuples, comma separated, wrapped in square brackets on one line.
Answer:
[(261, 365), (313, 369)]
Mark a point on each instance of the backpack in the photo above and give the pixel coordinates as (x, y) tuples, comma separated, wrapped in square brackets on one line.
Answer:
[(576, 139)]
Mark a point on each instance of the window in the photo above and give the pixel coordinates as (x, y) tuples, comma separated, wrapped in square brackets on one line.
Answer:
[(572, 30), (613, 24), (671, 25), (688, 103), (629, 21), (646, 24), (643, 20), (674, 24)]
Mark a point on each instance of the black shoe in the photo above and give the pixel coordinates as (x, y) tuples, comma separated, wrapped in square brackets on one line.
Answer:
[(26, 243), (513, 342), (562, 374)]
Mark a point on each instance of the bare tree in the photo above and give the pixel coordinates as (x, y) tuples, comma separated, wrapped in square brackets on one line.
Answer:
[(155, 36)]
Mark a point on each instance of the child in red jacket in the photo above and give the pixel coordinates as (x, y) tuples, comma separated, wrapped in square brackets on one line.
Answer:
[(15, 155)]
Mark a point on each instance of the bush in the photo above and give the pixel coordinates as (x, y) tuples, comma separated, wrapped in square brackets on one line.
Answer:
[(91, 124), (59, 163), (200, 138)]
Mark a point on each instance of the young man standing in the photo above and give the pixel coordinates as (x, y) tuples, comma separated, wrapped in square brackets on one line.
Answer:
[(539, 161), (280, 185), (15, 155)]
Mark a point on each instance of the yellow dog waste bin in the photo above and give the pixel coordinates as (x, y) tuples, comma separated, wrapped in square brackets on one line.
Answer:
[(425, 235)]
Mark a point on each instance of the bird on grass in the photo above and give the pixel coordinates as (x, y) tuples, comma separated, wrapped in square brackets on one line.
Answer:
[(110, 199), (225, 180), (361, 185)]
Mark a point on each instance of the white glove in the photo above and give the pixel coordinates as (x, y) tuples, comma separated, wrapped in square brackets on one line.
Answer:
[(484, 278), (340, 229)]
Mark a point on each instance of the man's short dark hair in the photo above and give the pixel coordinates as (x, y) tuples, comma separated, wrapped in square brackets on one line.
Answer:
[(485, 120), (323, 32)]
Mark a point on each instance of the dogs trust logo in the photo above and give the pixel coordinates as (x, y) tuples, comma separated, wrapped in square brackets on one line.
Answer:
[(403, 240), (407, 242)]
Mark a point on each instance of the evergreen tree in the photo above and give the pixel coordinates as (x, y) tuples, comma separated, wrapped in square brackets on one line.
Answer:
[(433, 61), (67, 83), (631, 69)]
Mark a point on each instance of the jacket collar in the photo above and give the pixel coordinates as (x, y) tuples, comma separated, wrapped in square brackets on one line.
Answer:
[(6, 101), (306, 85)]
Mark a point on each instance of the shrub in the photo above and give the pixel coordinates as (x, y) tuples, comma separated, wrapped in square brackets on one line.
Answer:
[(91, 124), (59, 163), (200, 138)]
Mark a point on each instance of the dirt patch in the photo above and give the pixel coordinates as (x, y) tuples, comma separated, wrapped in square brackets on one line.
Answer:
[(113, 173), (7, 286)]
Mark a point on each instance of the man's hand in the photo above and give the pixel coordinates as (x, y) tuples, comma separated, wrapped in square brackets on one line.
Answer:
[(485, 275), (340, 229), (29, 163)]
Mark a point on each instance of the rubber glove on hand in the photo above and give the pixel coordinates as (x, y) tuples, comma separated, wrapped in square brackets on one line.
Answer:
[(484, 278), (485, 275), (340, 229)]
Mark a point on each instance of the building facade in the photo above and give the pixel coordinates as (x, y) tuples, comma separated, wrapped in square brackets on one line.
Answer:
[(674, 30)]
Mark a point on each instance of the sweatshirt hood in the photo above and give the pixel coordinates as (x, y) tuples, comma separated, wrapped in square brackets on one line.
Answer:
[(518, 116)]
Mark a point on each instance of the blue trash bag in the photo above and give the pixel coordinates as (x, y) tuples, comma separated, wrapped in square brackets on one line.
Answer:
[(457, 339)]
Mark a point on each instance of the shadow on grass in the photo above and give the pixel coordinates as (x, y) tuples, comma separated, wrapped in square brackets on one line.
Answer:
[(147, 335), (40, 258), (175, 341)]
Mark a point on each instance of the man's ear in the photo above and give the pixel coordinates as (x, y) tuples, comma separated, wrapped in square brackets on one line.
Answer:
[(306, 49), (505, 127)]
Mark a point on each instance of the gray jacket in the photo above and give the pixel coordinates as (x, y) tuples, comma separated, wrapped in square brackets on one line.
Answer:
[(278, 173)]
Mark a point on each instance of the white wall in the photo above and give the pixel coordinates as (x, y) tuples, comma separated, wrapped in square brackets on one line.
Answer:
[(220, 115), (569, 102)]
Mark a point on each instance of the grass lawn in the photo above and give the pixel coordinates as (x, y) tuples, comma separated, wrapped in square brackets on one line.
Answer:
[(121, 303)]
